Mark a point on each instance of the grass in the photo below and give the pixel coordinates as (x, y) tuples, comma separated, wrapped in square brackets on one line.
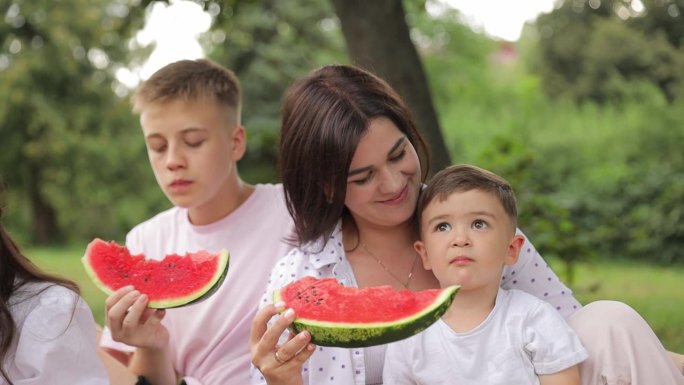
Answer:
[(654, 291)]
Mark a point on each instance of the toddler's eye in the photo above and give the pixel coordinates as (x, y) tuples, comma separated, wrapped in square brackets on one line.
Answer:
[(441, 227), (479, 224)]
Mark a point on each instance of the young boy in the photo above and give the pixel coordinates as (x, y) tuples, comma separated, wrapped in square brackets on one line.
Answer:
[(190, 118), (488, 335)]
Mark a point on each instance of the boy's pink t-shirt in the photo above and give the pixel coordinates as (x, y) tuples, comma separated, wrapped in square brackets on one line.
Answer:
[(209, 341)]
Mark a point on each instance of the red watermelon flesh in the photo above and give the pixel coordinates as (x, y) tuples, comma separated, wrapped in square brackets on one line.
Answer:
[(349, 317), (326, 299), (171, 282)]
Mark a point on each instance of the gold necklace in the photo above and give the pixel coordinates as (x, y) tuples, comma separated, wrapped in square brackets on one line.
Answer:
[(388, 271)]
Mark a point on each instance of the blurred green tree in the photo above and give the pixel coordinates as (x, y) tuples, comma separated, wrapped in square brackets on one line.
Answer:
[(66, 126), (595, 50), (60, 116), (268, 44)]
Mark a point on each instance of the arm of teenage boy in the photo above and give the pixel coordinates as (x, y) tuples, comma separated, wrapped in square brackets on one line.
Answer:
[(118, 373), (678, 359), (131, 322), (569, 376)]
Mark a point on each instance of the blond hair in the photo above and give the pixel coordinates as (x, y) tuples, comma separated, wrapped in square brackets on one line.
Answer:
[(190, 80)]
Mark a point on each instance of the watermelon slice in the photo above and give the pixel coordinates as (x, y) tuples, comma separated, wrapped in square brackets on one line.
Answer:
[(171, 282), (351, 318)]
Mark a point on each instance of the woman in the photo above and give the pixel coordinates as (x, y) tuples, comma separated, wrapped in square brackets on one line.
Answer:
[(352, 163), (47, 331)]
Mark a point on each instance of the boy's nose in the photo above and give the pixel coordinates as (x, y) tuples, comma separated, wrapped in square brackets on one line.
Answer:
[(174, 158), (460, 238)]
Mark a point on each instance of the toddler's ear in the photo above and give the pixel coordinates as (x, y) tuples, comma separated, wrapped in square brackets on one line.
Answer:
[(514, 249), (420, 248)]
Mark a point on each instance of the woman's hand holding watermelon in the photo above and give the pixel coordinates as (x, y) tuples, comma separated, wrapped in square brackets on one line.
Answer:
[(280, 365)]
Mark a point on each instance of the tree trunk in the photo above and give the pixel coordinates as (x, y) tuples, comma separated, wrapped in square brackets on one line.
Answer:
[(44, 217), (378, 39)]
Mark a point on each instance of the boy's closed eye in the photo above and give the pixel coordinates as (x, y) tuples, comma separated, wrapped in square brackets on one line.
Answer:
[(194, 138), (194, 144), (156, 145)]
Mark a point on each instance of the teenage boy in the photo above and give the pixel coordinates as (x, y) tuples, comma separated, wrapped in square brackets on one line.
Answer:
[(190, 117)]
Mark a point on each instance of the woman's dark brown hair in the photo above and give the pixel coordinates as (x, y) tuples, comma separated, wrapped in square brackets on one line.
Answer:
[(325, 114), (15, 271)]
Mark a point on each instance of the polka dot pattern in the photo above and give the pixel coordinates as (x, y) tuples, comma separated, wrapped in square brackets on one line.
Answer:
[(327, 365), (533, 275)]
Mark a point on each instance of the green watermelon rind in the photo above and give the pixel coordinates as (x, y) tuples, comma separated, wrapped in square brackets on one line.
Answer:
[(192, 298), (360, 335)]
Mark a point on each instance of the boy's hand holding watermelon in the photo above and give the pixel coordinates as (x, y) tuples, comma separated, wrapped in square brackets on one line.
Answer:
[(132, 322)]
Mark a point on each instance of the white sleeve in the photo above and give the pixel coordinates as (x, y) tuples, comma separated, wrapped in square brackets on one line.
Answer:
[(397, 368), (550, 342), (57, 342), (533, 275)]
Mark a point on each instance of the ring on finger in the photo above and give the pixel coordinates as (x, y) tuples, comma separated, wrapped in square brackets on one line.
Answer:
[(278, 358)]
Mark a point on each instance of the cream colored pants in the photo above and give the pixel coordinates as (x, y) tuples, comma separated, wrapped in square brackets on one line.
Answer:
[(623, 350)]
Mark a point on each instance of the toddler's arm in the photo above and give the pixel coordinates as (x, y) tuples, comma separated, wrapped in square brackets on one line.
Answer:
[(569, 376)]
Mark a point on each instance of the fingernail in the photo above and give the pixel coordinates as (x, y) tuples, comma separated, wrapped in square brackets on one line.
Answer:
[(142, 298), (135, 293), (289, 313), (280, 305), (310, 347), (303, 335)]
